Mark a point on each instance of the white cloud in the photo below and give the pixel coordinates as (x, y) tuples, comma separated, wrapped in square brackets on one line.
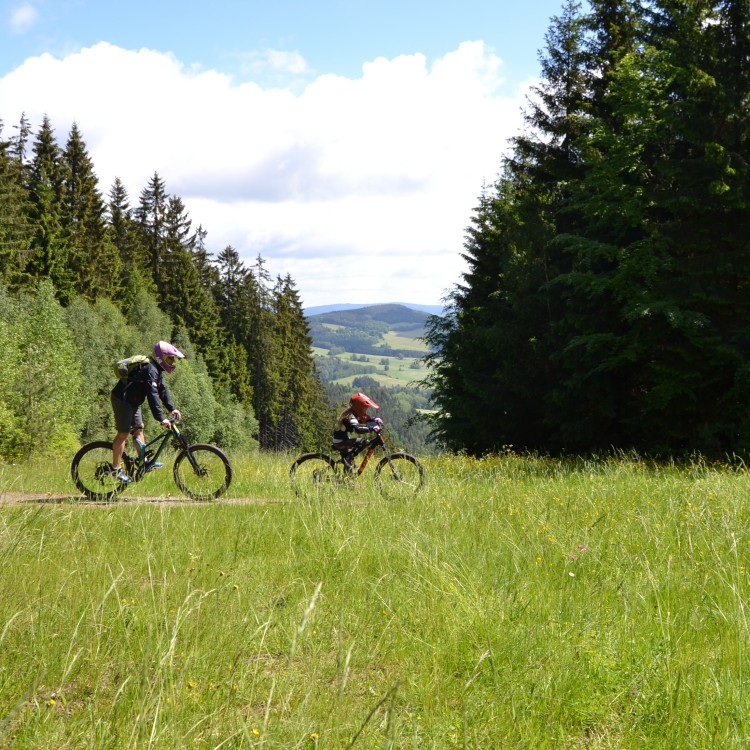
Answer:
[(23, 18), (276, 61), (361, 188)]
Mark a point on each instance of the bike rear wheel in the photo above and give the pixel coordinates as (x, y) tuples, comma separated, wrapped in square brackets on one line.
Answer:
[(314, 475), (91, 470), (399, 476), (211, 476)]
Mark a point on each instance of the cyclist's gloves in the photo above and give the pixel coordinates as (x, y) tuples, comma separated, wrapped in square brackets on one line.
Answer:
[(376, 424)]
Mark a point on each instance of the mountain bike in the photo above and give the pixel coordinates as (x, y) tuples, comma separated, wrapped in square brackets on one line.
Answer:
[(398, 475), (201, 471)]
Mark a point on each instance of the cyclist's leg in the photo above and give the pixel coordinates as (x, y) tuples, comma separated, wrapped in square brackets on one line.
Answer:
[(118, 448), (138, 430), (125, 415), (344, 447)]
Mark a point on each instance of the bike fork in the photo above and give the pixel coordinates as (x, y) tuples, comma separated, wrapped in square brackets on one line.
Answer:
[(196, 466)]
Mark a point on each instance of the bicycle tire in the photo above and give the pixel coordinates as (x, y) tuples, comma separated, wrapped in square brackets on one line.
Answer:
[(314, 475), (399, 476), (214, 473), (91, 470)]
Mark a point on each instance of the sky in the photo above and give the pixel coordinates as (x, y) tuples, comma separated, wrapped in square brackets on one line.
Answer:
[(346, 143)]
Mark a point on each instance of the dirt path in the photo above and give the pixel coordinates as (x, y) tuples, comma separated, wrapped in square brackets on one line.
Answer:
[(31, 498)]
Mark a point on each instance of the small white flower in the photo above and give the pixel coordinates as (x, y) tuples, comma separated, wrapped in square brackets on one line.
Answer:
[(572, 574)]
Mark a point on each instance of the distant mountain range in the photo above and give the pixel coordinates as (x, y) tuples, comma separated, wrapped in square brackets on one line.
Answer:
[(321, 309)]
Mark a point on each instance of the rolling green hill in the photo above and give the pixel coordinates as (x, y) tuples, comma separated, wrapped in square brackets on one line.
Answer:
[(387, 330)]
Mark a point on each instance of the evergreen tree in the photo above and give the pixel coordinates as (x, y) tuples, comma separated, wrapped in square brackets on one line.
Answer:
[(12, 436), (21, 139), (93, 258), (15, 229), (233, 284), (151, 217), (237, 300), (264, 350), (488, 358), (50, 254), (494, 354), (124, 233), (295, 408), (183, 293)]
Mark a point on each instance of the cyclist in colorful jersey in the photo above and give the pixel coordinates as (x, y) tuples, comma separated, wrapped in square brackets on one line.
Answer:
[(145, 382), (354, 421)]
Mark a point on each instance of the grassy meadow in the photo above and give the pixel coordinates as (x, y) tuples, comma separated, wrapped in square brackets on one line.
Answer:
[(518, 602)]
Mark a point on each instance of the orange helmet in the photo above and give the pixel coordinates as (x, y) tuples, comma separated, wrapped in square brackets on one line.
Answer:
[(360, 403)]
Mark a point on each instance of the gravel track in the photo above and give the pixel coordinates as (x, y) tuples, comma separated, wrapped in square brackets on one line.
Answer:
[(31, 498)]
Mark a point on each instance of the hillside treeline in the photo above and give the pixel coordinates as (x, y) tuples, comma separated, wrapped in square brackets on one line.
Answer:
[(607, 298), (112, 277)]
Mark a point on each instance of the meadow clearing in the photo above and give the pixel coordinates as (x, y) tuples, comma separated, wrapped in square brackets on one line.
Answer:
[(517, 602)]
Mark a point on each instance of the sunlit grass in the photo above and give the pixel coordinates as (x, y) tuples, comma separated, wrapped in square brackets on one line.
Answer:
[(517, 602)]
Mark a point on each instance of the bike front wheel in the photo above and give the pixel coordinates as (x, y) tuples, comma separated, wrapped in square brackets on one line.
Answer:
[(399, 476), (92, 473), (313, 475), (205, 477)]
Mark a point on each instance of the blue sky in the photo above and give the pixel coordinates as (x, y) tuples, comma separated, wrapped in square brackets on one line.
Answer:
[(346, 142)]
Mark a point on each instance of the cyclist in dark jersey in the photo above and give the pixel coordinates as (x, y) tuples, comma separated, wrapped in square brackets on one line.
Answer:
[(144, 383), (354, 421)]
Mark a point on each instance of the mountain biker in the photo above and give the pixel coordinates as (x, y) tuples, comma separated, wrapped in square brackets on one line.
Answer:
[(354, 419), (145, 382)]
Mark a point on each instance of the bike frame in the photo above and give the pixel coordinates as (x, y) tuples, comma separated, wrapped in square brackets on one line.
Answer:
[(370, 447), (142, 461)]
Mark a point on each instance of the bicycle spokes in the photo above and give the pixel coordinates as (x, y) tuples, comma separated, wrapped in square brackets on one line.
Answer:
[(202, 472), (399, 476)]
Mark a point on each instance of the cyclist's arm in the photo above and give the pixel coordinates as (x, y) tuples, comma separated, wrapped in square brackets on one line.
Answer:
[(363, 428), (157, 394)]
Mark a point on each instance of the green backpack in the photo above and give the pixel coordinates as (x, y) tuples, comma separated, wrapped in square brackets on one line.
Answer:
[(123, 368)]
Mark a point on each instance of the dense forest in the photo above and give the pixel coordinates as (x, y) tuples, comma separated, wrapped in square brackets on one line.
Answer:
[(86, 280), (607, 298)]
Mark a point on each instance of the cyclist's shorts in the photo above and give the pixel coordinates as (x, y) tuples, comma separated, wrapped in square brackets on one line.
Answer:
[(347, 445), (128, 417)]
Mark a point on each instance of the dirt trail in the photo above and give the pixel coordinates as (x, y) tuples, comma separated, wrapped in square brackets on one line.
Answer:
[(31, 498)]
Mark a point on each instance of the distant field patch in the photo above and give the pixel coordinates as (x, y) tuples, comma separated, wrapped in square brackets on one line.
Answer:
[(400, 340), (388, 371)]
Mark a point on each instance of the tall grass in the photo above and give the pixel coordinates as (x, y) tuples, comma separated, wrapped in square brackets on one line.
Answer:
[(518, 602)]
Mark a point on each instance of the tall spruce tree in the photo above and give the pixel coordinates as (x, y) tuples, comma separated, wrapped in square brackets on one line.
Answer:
[(150, 216), (126, 237), (237, 300), (298, 413), (184, 295), (93, 257), (15, 229), (264, 350), (50, 254), (495, 356)]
